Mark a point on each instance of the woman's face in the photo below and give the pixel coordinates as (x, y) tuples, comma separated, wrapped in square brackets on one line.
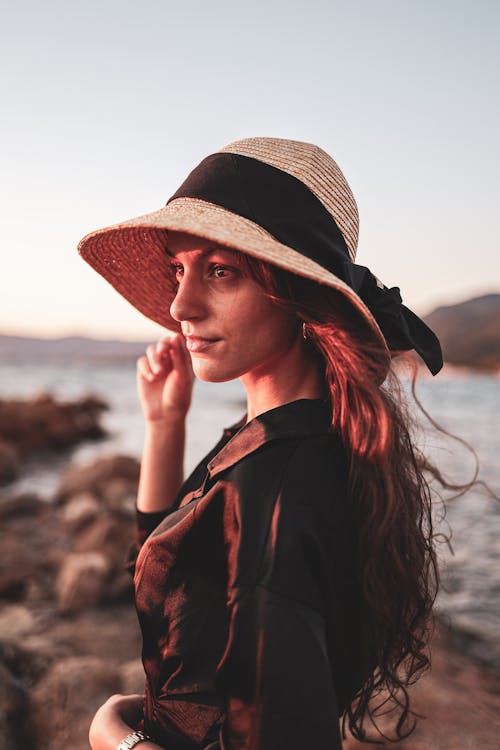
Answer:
[(217, 299)]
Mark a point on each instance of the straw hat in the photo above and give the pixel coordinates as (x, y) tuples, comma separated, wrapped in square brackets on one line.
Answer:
[(283, 201)]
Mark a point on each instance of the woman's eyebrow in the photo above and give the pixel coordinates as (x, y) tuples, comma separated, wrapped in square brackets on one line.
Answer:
[(208, 251)]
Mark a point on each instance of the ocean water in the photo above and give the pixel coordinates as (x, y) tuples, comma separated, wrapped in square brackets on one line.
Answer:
[(465, 403)]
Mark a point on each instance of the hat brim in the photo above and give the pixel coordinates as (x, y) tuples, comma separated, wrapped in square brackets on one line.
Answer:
[(131, 256)]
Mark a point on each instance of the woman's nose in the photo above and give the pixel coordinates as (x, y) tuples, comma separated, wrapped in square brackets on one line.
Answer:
[(189, 301)]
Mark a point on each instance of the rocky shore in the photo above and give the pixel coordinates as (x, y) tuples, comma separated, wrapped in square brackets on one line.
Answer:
[(44, 426), (68, 631), (69, 636)]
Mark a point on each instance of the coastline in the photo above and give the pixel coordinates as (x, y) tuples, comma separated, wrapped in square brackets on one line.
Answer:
[(49, 615), (458, 700), (70, 636)]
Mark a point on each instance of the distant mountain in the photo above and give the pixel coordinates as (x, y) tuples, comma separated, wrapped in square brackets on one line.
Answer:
[(71, 349), (469, 331)]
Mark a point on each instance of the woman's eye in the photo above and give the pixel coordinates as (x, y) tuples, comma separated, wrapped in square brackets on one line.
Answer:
[(176, 268), (217, 268)]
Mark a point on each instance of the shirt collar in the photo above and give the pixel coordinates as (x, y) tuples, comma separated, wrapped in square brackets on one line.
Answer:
[(295, 419)]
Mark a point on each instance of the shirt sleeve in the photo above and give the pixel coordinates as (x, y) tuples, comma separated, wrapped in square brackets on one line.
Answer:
[(147, 522), (275, 673)]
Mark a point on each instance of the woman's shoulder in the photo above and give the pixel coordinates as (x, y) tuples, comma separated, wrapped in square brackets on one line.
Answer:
[(280, 435), (307, 474), (315, 457), (285, 532)]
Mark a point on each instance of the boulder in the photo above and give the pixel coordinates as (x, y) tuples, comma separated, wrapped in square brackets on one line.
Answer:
[(16, 569), (28, 661), (43, 423), (120, 588), (16, 621), (12, 704), (106, 632), (26, 504), (10, 465), (95, 477), (133, 677), (111, 536), (81, 581), (119, 496), (80, 510), (32, 545), (63, 703)]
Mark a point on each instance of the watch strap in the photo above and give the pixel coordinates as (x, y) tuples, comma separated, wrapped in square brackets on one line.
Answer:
[(132, 739)]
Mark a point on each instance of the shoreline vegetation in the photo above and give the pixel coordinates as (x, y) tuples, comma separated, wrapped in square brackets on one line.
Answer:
[(69, 635)]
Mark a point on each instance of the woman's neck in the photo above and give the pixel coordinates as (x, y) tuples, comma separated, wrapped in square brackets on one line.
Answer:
[(299, 374)]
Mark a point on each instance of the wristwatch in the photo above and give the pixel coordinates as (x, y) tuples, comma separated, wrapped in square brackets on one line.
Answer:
[(132, 739)]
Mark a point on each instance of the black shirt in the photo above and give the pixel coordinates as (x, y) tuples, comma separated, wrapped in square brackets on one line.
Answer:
[(247, 591)]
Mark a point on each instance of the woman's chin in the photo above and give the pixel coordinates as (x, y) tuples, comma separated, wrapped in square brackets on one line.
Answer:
[(210, 372)]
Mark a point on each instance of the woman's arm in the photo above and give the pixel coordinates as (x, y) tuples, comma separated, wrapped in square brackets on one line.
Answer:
[(114, 720), (162, 465), (165, 380)]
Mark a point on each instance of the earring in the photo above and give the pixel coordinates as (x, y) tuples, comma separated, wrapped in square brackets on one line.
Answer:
[(304, 334)]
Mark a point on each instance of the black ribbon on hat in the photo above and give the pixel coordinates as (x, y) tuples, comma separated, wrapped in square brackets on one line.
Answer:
[(290, 212), (402, 329)]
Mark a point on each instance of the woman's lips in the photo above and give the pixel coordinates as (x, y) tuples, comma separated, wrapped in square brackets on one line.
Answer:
[(196, 344)]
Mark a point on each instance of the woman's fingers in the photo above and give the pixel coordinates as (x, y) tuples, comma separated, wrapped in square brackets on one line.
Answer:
[(185, 352), (165, 377), (185, 357), (144, 369), (176, 352), (161, 356), (158, 356), (154, 359)]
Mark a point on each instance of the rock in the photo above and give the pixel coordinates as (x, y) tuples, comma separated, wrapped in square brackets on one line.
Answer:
[(120, 588), (65, 700), (110, 632), (111, 536), (27, 662), (80, 511), (95, 477), (43, 423), (31, 543), (25, 504), (12, 704), (133, 677), (81, 581), (16, 571), (16, 621), (10, 465), (119, 496)]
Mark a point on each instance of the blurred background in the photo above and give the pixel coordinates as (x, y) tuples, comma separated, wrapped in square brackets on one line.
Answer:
[(106, 108)]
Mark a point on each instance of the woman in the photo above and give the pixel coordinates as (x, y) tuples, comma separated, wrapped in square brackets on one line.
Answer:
[(289, 580)]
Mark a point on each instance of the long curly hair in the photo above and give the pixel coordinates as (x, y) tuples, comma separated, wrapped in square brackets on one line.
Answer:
[(392, 497)]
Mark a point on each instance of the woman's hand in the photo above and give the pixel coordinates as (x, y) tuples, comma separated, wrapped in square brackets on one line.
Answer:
[(116, 718), (165, 379)]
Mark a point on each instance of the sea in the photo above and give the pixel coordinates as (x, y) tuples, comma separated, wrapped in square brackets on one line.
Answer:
[(464, 402)]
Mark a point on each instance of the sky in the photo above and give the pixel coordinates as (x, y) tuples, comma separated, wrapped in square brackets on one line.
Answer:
[(107, 106)]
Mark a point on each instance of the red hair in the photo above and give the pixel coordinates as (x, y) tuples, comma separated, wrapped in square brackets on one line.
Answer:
[(389, 489)]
